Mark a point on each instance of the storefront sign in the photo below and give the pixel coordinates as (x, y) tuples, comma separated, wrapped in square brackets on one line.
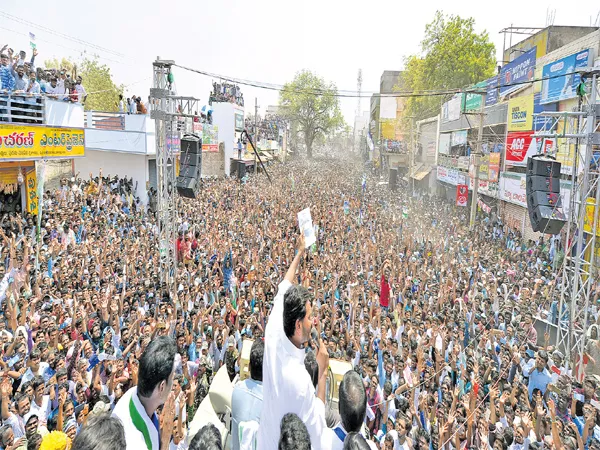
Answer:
[(520, 145), (463, 162), (515, 73), (459, 137), (462, 195), (559, 80), (472, 101), (442, 173), (444, 145), (239, 122), (485, 187), (18, 142), (520, 113), (451, 109), (492, 91)]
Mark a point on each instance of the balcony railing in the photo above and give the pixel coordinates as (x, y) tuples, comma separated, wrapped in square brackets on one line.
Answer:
[(21, 108)]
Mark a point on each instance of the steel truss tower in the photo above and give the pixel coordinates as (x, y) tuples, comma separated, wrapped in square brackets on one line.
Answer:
[(170, 114), (579, 130)]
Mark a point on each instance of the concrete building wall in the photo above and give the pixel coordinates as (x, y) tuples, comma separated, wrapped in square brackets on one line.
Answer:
[(591, 40), (213, 163)]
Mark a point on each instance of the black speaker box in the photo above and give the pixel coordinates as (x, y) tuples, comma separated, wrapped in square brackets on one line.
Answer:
[(543, 167), (190, 159), (393, 182), (190, 143), (546, 184), (187, 187), (547, 220), (189, 171), (541, 198)]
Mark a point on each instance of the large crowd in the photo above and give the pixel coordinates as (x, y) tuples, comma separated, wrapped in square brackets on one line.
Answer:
[(436, 321)]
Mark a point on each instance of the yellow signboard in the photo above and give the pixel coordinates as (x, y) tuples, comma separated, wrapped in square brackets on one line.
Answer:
[(32, 197), (40, 142), (388, 129), (520, 113)]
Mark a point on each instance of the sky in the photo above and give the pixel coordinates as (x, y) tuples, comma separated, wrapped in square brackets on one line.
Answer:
[(260, 40)]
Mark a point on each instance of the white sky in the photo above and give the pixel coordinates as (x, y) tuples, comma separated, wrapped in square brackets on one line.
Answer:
[(262, 40)]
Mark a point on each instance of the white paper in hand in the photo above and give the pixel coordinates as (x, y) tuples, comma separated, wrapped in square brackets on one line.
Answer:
[(306, 227)]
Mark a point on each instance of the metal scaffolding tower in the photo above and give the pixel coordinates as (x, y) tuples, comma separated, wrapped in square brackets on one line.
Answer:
[(170, 114), (578, 130)]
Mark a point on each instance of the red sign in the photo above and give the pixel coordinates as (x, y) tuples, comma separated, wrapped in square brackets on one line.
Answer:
[(462, 194), (518, 145)]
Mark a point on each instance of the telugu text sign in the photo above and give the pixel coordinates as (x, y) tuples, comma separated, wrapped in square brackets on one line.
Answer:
[(40, 142)]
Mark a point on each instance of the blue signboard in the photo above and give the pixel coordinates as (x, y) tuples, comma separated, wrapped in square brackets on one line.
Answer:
[(492, 91), (542, 123), (516, 72), (559, 80)]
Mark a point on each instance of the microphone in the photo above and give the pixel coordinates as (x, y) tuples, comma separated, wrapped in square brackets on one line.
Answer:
[(314, 336)]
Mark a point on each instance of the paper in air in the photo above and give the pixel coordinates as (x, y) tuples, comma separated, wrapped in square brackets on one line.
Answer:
[(306, 227)]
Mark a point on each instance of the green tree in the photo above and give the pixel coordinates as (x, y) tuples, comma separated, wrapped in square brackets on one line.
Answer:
[(103, 93), (312, 103), (453, 56)]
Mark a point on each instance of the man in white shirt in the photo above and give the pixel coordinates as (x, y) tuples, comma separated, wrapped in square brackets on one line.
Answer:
[(81, 94), (287, 386)]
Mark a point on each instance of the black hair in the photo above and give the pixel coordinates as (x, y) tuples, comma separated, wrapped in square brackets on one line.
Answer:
[(93, 435), (33, 441), (352, 401), (355, 441), (294, 308), (312, 367), (37, 382), (207, 438), (256, 360), (294, 435), (156, 364)]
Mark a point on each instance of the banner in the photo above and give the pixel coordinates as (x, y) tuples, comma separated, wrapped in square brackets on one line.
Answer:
[(543, 123), (239, 122), (462, 195), (210, 138), (494, 167), (31, 192), (512, 189), (520, 113), (454, 107), (514, 74), (559, 80), (484, 163), (38, 141), (519, 146)]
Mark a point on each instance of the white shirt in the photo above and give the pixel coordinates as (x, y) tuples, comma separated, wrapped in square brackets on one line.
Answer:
[(42, 411), (287, 387)]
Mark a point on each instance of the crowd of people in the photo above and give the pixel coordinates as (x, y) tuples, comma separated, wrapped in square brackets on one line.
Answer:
[(226, 92), (437, 322), (18, 75), (270, 127)]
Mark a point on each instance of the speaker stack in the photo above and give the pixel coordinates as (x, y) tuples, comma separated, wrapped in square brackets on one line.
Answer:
[(393, 183), (190, 166), (543, 195)]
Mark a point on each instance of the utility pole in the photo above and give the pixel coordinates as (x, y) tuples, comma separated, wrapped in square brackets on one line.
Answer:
[(255, 133), (412, 155), (476, 162)]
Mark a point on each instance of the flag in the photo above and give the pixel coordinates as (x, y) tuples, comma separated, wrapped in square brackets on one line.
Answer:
[(364, 183), (404, 213), (32, 40)]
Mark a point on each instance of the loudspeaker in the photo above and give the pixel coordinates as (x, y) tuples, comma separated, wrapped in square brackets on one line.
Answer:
[(543, 167), (190, 166), (545, 184), (187, 187), (542, 187), (393, 182), (547, 219)]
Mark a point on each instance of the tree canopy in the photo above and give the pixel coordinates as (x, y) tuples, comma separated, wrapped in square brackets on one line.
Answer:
[(103, 93), (312, 103), (452, 56)]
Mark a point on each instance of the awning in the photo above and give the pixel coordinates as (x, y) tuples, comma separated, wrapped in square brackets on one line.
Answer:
[(422, 173)]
